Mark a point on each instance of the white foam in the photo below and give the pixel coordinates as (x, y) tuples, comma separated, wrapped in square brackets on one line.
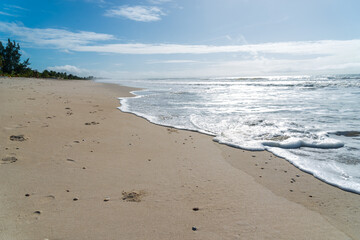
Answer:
[(292, 144)]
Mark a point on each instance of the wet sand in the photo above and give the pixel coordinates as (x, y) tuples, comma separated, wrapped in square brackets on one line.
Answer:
[(74, 167)]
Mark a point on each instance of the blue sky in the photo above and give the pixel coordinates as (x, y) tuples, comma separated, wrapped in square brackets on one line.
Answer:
[(185, 38)]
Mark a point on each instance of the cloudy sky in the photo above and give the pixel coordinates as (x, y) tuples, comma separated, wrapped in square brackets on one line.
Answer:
[(186, 38)]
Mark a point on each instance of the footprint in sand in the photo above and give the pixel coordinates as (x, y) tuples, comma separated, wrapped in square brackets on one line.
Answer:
[(133, 196), (19, 138), (92, 123), (172, 130), (69, 111), (7, 160), (45, 199)]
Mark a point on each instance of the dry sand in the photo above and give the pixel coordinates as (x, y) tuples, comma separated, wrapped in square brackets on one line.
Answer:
[(85, 170)]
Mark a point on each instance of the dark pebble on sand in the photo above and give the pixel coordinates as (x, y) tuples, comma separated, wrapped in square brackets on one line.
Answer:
[(310, 196), (37, 212), (27, 195), (195, 209), (75, 199), (194, 228)]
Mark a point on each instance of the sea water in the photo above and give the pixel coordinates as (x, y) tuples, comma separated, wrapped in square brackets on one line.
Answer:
[(311, 121)]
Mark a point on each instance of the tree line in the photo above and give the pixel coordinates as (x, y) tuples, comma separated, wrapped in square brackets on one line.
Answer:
[(11, 65)]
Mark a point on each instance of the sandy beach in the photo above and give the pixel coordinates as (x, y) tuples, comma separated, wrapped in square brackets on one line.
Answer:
[(75, 167)]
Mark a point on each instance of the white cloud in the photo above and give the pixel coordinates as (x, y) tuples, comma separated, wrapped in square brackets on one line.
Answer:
[(137, 13), (83, 41), (70, 70), (176, 61), (159, 1), (326, 47), (57, 38), (15, 7), (7, 14)]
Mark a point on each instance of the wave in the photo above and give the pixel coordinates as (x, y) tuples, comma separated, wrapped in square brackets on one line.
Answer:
[(301, 143)]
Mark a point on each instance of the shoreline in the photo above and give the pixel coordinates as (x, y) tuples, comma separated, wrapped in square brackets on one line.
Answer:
[(179, 171), (229, 144)]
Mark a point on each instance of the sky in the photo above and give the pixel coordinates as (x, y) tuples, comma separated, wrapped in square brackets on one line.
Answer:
[(186, 38)]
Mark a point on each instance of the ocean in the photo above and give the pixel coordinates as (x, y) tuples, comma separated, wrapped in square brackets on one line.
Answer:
[(311, 121)]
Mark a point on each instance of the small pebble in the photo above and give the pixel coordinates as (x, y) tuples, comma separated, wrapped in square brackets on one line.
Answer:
[(194, 228), (27, 195), (84, 168), (75, 199), (195, 209), (106, 199), (37, 212)]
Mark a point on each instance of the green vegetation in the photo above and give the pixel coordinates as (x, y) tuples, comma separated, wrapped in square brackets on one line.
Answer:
[(11, 66)]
